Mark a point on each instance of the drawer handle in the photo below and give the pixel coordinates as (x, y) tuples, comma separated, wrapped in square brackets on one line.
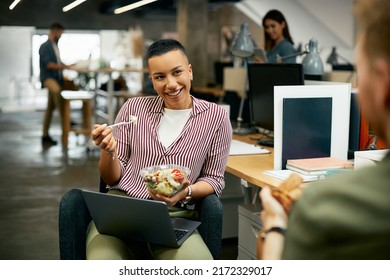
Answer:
[(255, 231)]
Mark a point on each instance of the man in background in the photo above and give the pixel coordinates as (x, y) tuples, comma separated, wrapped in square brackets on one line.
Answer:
[(51, 78)]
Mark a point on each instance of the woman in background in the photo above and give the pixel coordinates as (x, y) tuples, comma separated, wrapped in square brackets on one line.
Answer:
[(277, 40)]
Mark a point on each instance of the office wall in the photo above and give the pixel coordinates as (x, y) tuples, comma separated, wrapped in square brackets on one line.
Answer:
[(331, 22), (335, 15), (15, 57)]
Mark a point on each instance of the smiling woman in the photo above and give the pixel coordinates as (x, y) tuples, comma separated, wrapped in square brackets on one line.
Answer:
[(173, 128)]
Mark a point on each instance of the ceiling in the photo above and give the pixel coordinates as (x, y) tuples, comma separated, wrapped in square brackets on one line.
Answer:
[(92, 14)]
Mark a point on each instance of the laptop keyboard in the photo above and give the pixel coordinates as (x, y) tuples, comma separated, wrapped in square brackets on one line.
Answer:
[(180, 233)]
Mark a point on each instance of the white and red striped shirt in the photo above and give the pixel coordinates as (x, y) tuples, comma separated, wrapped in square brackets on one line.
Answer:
[(202, 146)]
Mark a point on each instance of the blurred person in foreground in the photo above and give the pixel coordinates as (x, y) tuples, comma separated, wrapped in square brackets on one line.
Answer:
[(345, 216), (172, 128), (51, 77)]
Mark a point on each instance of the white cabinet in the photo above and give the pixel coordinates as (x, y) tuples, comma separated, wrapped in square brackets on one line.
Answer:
[(249, 224)]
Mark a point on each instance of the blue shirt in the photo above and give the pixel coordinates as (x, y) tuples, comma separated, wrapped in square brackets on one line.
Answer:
[(284, 48), (47, 55)]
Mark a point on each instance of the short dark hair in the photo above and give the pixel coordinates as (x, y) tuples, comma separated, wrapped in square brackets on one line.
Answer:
[(163, 46), (57, 26)]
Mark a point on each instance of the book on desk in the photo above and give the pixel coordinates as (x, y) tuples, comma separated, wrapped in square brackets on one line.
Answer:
[(317, 166), (286, 173), (312, 169)]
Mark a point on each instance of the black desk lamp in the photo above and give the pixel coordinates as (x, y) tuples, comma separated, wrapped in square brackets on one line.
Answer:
[(243, 47), (333, 59)]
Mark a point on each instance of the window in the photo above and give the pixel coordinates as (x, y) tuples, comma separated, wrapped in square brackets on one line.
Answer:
[(74, 47)]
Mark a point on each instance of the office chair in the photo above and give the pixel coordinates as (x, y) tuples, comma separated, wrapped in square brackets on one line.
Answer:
[(74, 219)]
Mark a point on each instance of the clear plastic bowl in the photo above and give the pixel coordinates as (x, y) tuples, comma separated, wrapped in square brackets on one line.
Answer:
[(165, 179)]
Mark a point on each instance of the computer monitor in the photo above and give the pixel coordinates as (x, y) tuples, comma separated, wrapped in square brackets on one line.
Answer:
[(262, 78)]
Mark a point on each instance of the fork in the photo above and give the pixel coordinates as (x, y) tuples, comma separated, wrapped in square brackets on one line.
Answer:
[(132, 119)]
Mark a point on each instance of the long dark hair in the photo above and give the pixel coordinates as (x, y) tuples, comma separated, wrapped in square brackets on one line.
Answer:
[(279, 17)]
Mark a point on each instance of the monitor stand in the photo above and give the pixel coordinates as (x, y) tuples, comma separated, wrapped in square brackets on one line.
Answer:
[(243, 130)]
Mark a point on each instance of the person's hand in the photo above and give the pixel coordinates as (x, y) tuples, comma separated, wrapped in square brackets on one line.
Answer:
[(103, 138), (70, 66), (273, 214), (170, 201), (64, 67), (257, 59)]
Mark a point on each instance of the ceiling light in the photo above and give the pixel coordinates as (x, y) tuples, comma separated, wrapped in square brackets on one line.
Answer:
[(72, 5), (133, 6), (14, 4)]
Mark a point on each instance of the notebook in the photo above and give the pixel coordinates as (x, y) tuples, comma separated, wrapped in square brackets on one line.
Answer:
[(241, 148), (140, 219)]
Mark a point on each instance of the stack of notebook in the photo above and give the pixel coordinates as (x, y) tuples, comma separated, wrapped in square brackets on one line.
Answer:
[(317, 166)]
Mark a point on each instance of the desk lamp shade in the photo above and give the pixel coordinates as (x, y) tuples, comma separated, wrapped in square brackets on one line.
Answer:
[(312, 63), (243, 45)]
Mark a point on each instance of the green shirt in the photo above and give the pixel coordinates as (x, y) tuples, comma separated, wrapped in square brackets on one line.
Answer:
[(346, 216)]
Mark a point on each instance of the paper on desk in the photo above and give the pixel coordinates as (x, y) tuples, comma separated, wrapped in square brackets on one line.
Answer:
[(242, 148), (284, 174)]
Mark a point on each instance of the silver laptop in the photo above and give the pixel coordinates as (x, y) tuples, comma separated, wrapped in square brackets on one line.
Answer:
[(140, 219)]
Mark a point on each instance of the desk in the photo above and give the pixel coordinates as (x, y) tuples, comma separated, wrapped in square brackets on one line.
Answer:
[(342, 77), (250, 167), (243, 179), (86, 97), (209, 90), (109, 116), (216, 91), (115, 100)]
